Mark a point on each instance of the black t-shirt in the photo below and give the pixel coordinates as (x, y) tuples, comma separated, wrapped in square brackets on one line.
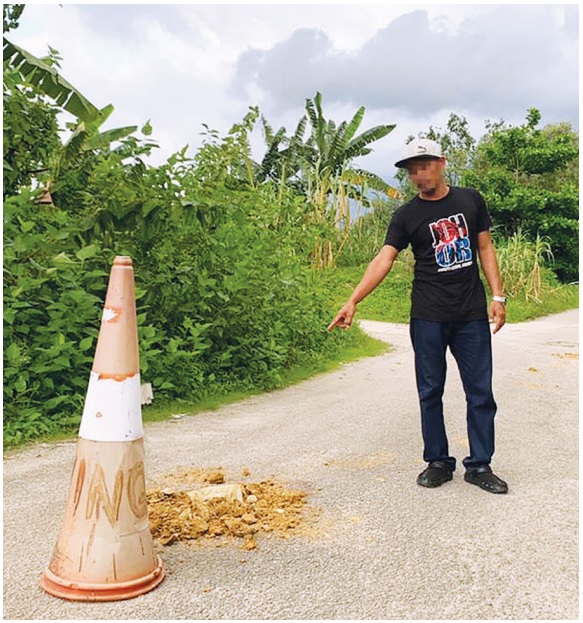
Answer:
[(443, 235)]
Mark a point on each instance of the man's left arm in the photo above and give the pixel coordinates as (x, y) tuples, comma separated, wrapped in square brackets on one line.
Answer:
[(489, 264)]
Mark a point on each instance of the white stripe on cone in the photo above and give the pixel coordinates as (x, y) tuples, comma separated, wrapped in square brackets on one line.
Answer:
[(112, 409)]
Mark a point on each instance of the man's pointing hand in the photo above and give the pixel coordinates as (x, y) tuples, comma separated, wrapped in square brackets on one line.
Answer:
[(343, 319)]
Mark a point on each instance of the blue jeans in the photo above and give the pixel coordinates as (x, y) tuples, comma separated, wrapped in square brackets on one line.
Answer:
[(471, 346)]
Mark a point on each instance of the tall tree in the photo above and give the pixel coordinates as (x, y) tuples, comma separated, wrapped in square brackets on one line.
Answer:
[(529, 177)]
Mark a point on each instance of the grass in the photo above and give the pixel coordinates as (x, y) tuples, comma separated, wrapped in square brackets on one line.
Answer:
[(390, 302), (555, 301)]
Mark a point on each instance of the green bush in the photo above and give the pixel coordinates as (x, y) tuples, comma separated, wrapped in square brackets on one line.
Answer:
[(230, 295), (223, 305), (53, 290)]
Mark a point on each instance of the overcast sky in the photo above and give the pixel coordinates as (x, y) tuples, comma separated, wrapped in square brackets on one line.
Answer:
[(182, 65)]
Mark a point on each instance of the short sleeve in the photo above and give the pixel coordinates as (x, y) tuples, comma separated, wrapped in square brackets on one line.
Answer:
[(396, 234)]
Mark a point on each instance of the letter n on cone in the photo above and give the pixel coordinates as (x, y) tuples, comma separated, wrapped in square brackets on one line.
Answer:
[(104, 551)]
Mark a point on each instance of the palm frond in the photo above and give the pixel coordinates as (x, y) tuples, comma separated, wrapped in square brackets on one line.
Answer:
[(318, 122), (273, 155), (267, 130), (318, 103), (104, 139), (312, 115), (73, 146), (336, 151), (300, 129)]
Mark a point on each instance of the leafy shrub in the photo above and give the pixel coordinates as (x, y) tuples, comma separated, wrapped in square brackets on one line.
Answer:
[(229, 294), (53, 290), (224, 304)]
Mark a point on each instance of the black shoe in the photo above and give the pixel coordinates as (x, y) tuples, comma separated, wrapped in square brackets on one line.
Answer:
[(435, 474), (485, 479)]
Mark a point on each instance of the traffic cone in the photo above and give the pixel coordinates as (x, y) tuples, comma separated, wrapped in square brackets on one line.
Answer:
[(104, 551)]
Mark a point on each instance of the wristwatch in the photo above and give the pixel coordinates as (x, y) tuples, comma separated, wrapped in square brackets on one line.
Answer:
[(499, 299)]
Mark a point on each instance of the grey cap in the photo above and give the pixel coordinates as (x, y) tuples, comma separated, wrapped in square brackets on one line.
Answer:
[(420, 148)]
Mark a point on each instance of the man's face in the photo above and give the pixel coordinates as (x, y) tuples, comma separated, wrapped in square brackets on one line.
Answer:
[(426, 173)]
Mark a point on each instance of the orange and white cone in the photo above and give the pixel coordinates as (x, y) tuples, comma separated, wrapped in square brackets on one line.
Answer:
[(104, 551)]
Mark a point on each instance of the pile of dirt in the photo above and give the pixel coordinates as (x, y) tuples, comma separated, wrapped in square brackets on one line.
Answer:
[(193, 503)]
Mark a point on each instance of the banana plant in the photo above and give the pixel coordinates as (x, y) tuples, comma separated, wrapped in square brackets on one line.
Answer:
[(321, 168), (85, 136), (285, 157), (315, 165), (333, 149)]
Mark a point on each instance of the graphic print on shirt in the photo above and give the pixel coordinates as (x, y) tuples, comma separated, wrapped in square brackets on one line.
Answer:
[(451, 243)]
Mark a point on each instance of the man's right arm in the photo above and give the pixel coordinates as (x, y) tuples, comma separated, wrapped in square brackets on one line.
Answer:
[(376, 271)]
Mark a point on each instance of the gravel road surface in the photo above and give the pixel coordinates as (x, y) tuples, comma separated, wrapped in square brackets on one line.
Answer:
[(381, 547)]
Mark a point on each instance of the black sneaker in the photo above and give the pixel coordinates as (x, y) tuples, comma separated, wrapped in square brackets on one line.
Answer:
[(435, 474), (486, 479)]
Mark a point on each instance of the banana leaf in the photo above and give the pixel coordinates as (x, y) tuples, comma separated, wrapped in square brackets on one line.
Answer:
[(48, 80)]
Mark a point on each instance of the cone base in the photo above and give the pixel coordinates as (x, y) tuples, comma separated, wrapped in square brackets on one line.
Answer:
[(116, 591)]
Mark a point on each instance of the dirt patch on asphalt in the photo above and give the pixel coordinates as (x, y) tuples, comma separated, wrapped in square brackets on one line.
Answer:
[(194, 504), (566, 355)]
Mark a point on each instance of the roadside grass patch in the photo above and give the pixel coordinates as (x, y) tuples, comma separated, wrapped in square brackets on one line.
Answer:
[(355, 345), (555, 301)]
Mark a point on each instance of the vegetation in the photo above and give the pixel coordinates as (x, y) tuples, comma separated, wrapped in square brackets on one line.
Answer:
[(239, 264), (529, 177), (321, 171)]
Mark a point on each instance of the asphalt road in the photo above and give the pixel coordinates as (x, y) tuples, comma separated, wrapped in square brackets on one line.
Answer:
[(382, 547)]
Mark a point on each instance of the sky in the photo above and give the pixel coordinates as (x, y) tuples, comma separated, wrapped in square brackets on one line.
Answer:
[(180, 66)]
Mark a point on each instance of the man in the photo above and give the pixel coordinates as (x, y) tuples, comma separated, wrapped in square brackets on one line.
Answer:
[(448, 230)]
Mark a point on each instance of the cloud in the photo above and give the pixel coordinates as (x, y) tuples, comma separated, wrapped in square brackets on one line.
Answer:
[(291, 71), (497, 63)]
